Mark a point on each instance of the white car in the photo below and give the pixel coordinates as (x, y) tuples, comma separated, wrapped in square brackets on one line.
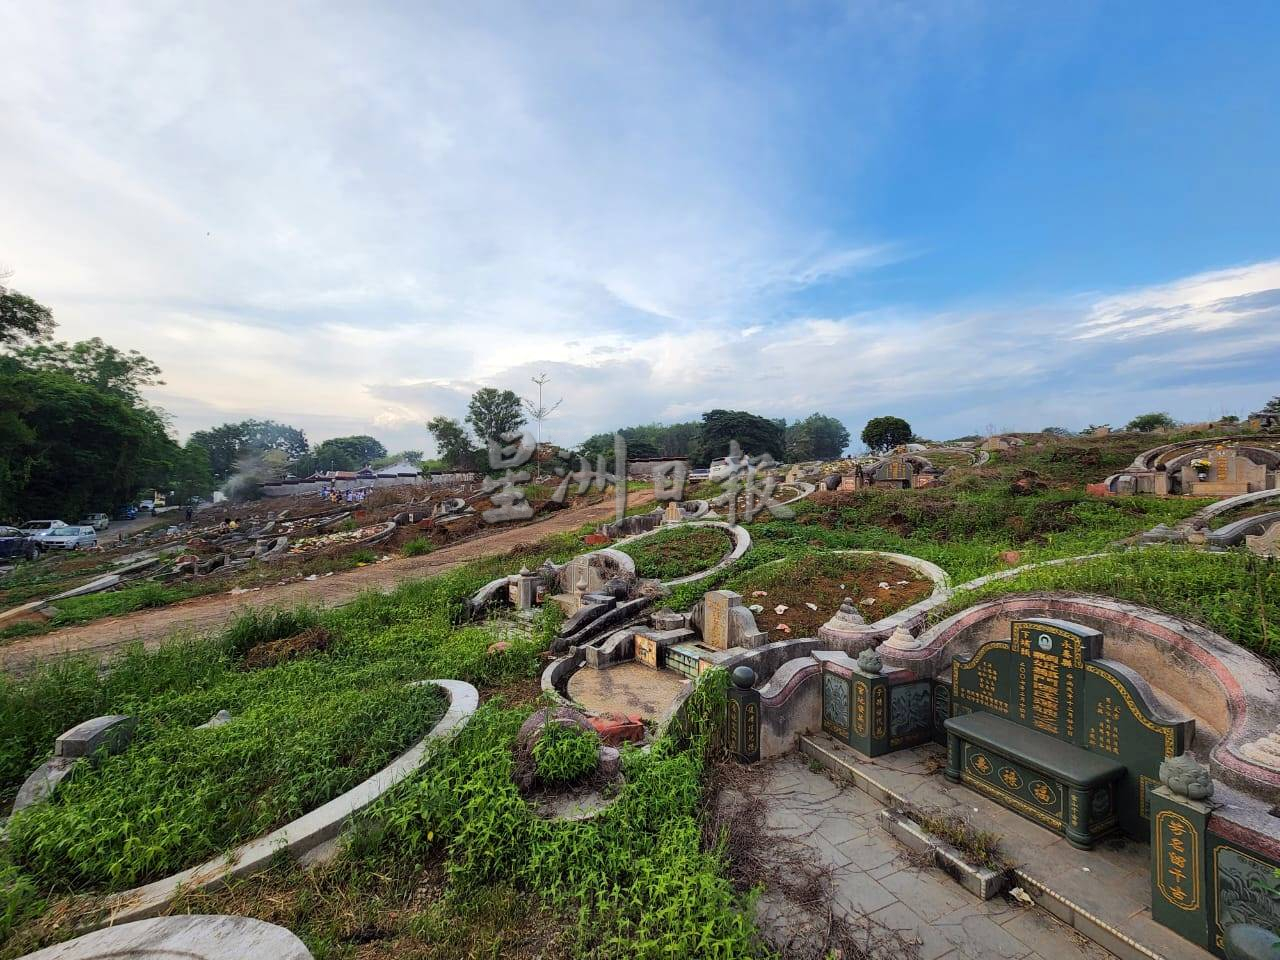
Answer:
[(70, 538), (99, 521), (41, 528)]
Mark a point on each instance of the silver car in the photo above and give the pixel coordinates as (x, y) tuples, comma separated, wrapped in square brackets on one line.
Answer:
[(70, 538)]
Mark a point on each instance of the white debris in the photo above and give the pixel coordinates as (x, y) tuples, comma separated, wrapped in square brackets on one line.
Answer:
[(902, 583), (868, 601), (811, 606), (1022, 897), (314, 576), (758, 593), (884, 585), (756, 608), (781, 608)]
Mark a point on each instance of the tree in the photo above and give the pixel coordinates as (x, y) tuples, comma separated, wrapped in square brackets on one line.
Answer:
[(1145, 423), (231, 443), (882, 434), (347, 453), (453, 444), (1057, 431), (96, 363), (816, 437), (492, 413), (755, 434), (1272, 406), (22, 318), (82, 449)]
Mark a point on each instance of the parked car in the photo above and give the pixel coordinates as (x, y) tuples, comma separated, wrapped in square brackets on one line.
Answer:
[(147, 506), (15, 543), (40, 528), (99, 521), (70, 538), (127, 512)]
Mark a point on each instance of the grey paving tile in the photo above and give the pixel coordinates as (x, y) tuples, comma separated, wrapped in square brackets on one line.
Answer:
[(859, 894), (978, 937), (929, 893), (1050, 938)]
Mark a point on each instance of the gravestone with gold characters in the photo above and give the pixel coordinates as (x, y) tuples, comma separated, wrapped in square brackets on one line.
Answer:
[(1049, 677)]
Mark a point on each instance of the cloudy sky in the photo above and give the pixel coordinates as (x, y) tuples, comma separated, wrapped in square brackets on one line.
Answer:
[(349, 216)]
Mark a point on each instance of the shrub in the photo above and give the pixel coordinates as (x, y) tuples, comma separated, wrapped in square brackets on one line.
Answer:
[(565, 753), (417, 547)]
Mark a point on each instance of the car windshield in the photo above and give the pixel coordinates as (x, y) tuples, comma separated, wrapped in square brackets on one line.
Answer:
[(41, 525)]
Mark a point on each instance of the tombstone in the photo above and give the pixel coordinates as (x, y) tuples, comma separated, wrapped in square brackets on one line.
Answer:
[(1265, 544), (897, 472), (524, 590), (727, 623), (874, 710), (652, 645), (1050, 679), (672, 513)]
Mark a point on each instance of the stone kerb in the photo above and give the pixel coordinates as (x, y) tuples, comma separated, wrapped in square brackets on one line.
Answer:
[(193, 937), (1234, 696), (301, 835)]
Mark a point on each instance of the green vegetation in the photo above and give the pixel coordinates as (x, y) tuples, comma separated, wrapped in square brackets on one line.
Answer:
[(882, 434), (1234, 594), (678, 551), (565, 753), (417, 547)]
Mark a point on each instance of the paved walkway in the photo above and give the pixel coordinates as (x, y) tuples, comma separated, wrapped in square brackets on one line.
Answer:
[(872, 876), (109, 636), (1105, 892)]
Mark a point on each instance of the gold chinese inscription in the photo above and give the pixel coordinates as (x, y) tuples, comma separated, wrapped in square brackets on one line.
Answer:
[(1011, 778), (1045, 688), (1105, 733), (878, 712), (988, 689), (735, 745), (860, 710), (981, 764), (1044, 793), (752, 730), (1178, 850)]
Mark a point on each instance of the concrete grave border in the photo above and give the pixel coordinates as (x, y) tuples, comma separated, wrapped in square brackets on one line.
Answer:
[(188, 935), (301, 835)]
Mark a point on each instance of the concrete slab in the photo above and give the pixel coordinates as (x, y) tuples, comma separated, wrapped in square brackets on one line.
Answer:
[(627, 688), (191, 937)]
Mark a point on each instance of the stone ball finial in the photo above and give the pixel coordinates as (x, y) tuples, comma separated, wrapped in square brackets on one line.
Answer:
[(744, 678), (848, 613), (869, 661), (1187, 777)]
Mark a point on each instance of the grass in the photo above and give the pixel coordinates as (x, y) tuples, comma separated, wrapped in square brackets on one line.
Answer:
[(678, 551), (565, 753), (417, 547), (1234, 594)]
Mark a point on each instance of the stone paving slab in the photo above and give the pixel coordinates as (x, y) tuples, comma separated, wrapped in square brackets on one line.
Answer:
[(626, 689), (1104, 892), (873, 876)]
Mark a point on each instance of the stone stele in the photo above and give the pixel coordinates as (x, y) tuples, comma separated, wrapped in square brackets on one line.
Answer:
[(192, 937)]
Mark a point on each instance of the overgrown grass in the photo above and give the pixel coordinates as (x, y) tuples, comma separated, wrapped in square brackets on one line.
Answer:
[(678, 551), (417, 547), (1235, 594), (565, 753)]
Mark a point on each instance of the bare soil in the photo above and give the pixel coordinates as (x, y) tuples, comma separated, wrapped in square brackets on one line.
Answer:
[(824, 580), (104, 638)]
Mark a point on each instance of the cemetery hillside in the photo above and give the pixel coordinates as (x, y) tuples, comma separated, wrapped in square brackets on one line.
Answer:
[(432, 710), (629, 481)]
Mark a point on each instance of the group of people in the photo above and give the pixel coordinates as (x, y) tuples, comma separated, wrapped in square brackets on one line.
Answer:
[(334, 495)]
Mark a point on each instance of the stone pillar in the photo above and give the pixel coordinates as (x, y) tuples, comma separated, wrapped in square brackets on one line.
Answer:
[(1179, 874), (742, 716), (1077, 826), (526, 589)]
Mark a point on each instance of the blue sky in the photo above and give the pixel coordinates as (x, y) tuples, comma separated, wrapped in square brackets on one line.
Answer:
[(973, 215)]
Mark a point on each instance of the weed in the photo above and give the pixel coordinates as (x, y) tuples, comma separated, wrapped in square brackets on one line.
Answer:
[(565, 753), (417, 547)]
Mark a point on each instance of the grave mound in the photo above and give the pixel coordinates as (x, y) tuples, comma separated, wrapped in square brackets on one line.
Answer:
[(824, 580), (678, 552), (310, 641)]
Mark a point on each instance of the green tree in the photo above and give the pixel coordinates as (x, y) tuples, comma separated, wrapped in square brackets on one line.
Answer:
[(493, 412), (453, 444), (1057, 432), (97, 364), (230, 444), (882, 434), (347, 453), (1146, 422), (22, 319), (756, 434), (84, 448), (816, 437)]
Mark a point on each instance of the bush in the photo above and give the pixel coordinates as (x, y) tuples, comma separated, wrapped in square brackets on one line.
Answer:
[(417, 547), (565, 753)]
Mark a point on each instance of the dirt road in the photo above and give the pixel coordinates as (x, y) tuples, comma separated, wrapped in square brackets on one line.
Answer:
[(102, 638)]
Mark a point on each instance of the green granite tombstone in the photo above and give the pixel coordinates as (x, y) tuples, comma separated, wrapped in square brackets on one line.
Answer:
[(1049, 676)]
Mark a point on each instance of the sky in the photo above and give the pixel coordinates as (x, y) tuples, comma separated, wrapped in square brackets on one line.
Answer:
[(347, 217)]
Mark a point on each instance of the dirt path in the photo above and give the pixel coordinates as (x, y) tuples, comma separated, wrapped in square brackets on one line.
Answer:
[(105, 637)]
